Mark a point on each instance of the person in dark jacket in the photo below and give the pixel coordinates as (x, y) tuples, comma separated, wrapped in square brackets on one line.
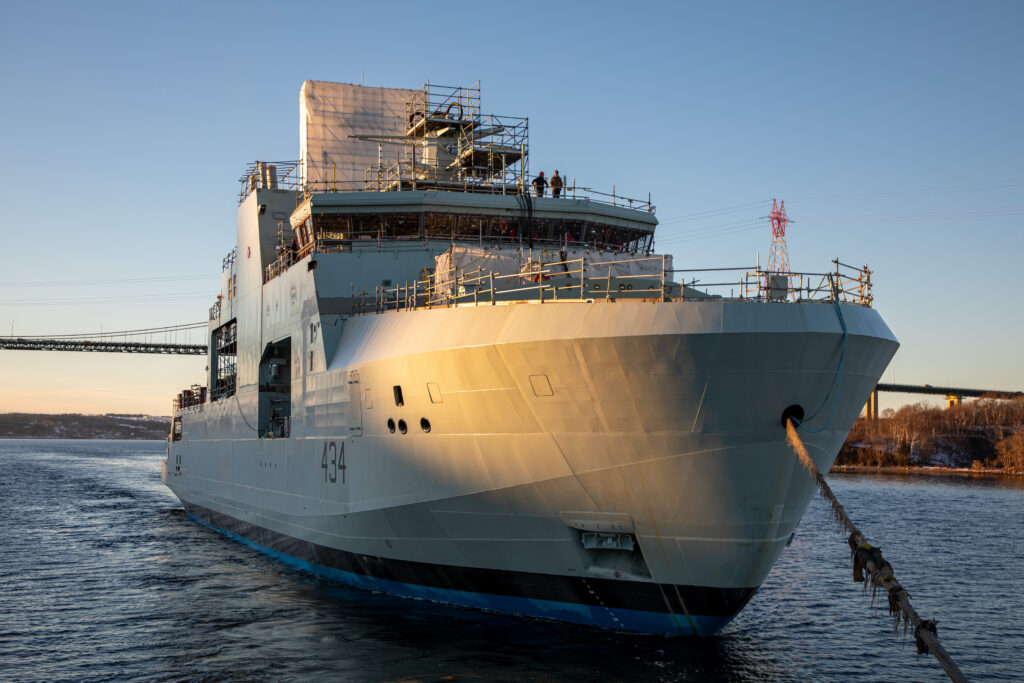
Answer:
[(556, 185), (539, 183)]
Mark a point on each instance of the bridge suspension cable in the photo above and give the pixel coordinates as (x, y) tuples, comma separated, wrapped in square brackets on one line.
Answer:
[(148, 331), (169, 339)]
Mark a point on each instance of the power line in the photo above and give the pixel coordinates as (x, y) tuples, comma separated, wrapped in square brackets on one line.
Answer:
[(951, 214), (740, 226), (172, 278), (713, 230), (991, 185), (722, 233), (107, 300), (710, 213)]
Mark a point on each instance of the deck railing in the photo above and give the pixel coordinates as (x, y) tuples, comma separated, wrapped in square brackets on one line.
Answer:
[(287, 175), (565, 281)]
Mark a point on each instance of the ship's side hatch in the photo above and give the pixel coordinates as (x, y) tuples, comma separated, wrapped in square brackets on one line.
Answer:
[(275, 390)]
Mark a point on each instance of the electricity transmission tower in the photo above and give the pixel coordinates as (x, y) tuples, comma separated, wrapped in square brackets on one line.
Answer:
[(778, 257)]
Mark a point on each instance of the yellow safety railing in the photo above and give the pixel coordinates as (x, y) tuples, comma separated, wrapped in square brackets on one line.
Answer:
[(568, 280)]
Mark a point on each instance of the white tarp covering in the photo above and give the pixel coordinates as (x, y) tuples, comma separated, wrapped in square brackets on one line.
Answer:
[(462, 262), (598, 263), (329, 113), (532, 265)]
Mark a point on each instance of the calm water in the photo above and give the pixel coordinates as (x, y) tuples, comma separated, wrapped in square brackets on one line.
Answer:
[(103, 577)]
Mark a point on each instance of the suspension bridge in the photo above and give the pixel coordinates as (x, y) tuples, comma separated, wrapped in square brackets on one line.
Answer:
[(168, 340), (183, 340)]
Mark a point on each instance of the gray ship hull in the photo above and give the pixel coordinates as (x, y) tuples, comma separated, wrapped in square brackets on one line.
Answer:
[(621, 464)]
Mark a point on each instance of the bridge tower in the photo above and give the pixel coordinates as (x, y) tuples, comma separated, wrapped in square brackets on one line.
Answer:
[(871, 407)]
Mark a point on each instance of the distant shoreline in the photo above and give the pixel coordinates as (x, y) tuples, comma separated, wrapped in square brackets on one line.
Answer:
[(923, 469), (116, 426), (83, 438)]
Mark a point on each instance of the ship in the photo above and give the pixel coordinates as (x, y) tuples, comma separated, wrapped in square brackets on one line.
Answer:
[(430, 377)]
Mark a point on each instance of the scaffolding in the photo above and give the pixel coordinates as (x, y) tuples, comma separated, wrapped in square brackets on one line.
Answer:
[(272, 175), (356, 138), (448, 144)]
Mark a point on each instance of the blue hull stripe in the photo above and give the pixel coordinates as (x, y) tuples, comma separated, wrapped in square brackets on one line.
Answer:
[(592, 615)]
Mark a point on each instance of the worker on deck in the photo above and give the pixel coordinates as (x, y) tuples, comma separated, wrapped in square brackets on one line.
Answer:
[(556, 185), (539, 183)]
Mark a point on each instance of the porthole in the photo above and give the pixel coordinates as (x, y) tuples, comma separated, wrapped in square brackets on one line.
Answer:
[(402, 427), (391, 425), (425, 424)]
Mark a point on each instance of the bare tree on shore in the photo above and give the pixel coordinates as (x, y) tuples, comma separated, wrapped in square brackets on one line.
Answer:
[(987, 433)]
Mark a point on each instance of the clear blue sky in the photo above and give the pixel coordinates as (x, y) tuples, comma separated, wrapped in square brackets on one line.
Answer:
[(892, 130)]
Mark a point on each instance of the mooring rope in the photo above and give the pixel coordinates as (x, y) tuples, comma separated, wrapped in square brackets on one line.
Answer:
[(880, 573)]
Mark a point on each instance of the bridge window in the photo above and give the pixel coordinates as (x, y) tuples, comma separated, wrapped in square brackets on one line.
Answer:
[(330, 226), (471, 227), (402, 225), (387, 226), (439, 225), (367, 226), (508, 227)]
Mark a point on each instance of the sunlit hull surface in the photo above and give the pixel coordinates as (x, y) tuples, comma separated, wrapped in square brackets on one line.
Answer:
[(615, 463)]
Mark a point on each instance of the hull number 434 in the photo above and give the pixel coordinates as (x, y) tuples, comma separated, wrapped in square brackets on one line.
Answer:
[(333, 462)]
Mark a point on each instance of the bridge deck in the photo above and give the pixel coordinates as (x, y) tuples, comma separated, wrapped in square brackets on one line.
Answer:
[(942, 391), (105, 346)]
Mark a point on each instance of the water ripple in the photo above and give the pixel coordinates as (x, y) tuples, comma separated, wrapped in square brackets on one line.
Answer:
[(105, 578)]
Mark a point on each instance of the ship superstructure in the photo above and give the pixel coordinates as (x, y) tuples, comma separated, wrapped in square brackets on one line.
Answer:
[(426, 381)]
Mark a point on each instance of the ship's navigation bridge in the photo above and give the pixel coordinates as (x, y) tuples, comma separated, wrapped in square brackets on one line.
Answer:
[(357, 139)]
